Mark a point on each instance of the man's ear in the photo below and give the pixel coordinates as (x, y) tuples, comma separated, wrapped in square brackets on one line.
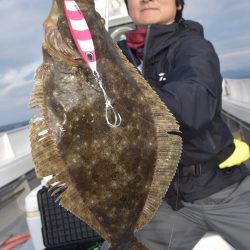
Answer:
[(179, 7)]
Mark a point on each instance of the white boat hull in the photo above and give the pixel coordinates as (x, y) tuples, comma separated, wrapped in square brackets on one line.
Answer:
[(15, 155)]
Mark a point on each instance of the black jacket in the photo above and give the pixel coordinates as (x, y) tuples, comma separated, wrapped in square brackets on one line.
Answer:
[(183, 68)]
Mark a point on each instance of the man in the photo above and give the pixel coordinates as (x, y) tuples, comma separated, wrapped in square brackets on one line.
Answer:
[(183, 68)]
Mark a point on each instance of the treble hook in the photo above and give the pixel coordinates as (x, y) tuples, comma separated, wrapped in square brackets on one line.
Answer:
[(108, 105), (118, 119)]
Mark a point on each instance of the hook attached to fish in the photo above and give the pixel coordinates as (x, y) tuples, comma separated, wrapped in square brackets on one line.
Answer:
[(83, 40)]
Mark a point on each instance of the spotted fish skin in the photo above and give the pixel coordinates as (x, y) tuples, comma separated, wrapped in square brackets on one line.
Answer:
[(112, 178)]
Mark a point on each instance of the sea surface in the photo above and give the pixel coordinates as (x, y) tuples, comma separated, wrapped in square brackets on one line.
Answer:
[(8, 127)]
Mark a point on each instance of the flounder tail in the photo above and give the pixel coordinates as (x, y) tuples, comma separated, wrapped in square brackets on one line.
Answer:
[(131, 245), (137, 245)]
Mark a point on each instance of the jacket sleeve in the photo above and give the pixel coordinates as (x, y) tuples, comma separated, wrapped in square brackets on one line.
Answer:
[(194, 86)]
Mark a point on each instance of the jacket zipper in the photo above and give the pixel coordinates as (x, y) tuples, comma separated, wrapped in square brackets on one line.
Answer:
[(145, 50)]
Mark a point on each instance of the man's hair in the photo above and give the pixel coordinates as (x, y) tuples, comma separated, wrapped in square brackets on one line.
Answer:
[(178, 16), (178, 13)]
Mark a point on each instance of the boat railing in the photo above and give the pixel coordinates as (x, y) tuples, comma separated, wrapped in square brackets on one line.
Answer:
[(13, 144)]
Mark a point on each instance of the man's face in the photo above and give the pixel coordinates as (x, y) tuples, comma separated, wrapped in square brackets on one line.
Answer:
[(145, 12)]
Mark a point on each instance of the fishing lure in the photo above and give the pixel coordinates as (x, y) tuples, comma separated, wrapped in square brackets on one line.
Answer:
[(82, 37)]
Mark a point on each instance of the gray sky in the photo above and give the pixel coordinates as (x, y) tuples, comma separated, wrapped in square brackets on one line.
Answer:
[(226, 24)]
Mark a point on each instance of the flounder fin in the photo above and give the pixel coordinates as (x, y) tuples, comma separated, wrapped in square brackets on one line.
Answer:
[(169, 147), (48, 162), (44, 151), (168, 155)]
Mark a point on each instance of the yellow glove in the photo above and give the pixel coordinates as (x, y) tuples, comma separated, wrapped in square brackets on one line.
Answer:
[(240, 154)]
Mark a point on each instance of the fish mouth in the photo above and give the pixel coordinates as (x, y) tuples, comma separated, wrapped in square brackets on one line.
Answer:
[(55, 42), (57, 34)]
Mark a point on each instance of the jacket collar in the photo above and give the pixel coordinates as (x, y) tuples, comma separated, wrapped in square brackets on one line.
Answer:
[(159, 37)]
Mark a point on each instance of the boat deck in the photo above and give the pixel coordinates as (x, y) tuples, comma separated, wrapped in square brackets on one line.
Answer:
[(18, 225), (12, 208)]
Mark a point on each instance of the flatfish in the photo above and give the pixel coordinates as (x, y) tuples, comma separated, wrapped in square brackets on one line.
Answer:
[(111, 177)]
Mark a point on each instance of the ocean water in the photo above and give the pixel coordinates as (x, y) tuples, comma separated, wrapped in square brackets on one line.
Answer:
[(8, 127)]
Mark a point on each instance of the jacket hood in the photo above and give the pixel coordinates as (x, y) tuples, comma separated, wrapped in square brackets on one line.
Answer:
[(162, 36), (189, 25), (194, 26)]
